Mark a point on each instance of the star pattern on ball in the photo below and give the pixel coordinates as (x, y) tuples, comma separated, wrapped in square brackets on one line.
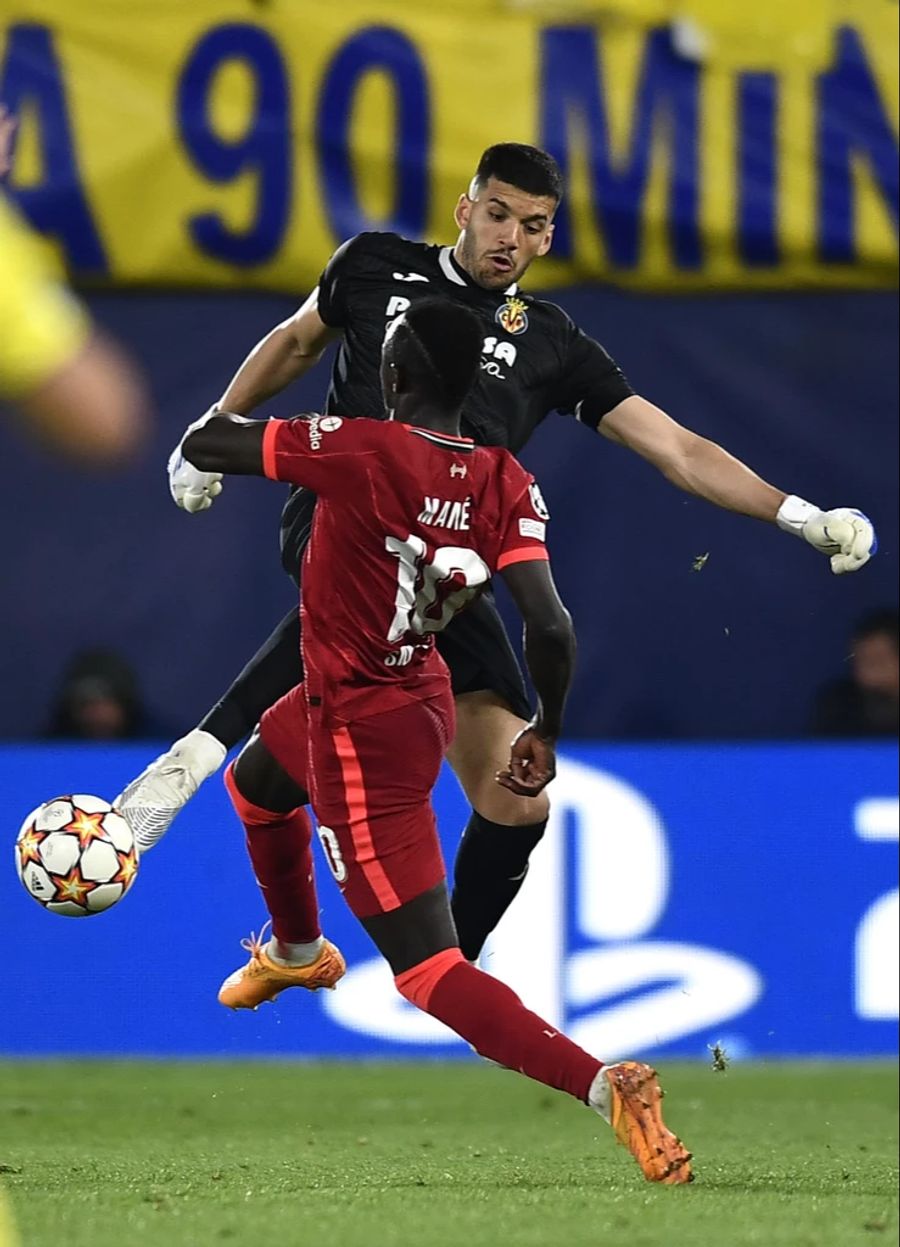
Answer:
[(73, 886), (128, 867), (29, 845), (87, 827)]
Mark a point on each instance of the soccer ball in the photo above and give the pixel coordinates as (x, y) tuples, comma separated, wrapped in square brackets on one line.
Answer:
[(76, 856)]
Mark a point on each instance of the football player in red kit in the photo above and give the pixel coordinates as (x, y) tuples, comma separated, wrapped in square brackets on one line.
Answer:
[(411, 523)]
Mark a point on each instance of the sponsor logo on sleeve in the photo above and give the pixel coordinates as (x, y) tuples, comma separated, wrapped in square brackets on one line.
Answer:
[(533, 528), (319, 425)]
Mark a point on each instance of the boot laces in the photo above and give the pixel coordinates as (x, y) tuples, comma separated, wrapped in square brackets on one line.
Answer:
[(253, 943)]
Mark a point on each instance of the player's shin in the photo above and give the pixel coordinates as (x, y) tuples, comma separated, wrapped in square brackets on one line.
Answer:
[(280, 849), (491, 1017), (490, 868)]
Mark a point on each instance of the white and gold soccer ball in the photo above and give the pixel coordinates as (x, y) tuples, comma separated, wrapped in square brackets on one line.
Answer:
[(76, 855)]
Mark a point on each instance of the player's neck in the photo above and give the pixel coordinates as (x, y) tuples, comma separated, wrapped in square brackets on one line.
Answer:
[(457, 259), (410, 410)]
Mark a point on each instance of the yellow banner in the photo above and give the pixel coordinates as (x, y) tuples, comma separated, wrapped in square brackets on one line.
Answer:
[(704, 144)]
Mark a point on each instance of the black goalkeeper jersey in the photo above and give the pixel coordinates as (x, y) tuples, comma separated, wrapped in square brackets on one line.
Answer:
[(534, 360)]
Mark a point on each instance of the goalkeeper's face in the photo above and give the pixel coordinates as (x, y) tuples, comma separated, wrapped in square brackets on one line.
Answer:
[(502, 229)]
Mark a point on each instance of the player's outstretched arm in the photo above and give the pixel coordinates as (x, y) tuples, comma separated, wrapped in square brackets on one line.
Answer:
[(701, 467), (223, 443), (549, 644), (290, 350)]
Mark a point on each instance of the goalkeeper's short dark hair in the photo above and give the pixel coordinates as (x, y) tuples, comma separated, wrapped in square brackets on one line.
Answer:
[(441, 350), (528, 168)]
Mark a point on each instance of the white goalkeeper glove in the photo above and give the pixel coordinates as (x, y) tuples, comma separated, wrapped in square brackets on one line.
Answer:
[(845, 535), (191, 489)]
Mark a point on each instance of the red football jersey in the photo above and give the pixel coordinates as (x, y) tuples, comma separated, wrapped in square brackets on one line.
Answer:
[(410, 525)]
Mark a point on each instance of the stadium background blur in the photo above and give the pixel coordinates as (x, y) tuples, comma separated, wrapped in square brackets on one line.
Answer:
[(730, 235)]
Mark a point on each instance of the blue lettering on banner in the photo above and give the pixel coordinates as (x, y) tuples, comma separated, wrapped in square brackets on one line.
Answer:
[(757, 163), (668, 89), (852, 123), (375, 48), (31, 79), (264, 149), (739, 874)]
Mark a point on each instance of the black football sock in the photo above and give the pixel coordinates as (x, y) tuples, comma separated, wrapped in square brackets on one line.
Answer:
[(491, 865), (271, 672)]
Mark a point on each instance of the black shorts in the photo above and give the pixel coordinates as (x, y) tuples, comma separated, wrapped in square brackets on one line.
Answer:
[(474, 645), (476, 648)]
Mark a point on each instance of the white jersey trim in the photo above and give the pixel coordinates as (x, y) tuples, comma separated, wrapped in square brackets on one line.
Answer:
[(465, 445)]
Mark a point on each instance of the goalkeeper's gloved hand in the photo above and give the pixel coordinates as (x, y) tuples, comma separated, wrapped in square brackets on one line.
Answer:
[(845, 535), (191, 489)]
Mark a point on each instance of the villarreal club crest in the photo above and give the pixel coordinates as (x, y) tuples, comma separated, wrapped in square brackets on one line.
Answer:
[(512, 316)]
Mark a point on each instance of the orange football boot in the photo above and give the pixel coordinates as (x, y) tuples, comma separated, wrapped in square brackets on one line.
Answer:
[(636, 1118), (263, 979)]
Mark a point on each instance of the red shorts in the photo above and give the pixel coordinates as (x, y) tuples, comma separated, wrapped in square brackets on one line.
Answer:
[(370, 783)]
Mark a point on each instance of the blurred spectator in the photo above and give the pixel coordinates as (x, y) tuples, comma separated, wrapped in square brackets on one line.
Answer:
[(99, 700), (867, 702)]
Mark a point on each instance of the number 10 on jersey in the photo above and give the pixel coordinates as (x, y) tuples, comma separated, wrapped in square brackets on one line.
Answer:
[(431, 588)]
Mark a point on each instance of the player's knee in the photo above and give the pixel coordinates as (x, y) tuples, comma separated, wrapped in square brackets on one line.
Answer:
[(249, 811), (417, 984), (500, 805), (261, 781), (414, 934)]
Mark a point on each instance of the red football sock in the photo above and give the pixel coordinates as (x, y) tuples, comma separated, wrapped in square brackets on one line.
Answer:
[(491, 1017), (280, 848)]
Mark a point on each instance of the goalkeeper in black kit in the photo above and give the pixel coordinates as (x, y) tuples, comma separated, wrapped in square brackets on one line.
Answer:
[(534, 361)]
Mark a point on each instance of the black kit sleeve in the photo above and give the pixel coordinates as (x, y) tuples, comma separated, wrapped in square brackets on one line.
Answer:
[(336, 280), (589, 382)]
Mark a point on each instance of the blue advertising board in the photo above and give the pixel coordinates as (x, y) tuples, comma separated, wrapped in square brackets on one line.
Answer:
[(682, 895)]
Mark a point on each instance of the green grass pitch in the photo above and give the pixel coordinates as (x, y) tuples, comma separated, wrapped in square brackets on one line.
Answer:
[(120, 1154)]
